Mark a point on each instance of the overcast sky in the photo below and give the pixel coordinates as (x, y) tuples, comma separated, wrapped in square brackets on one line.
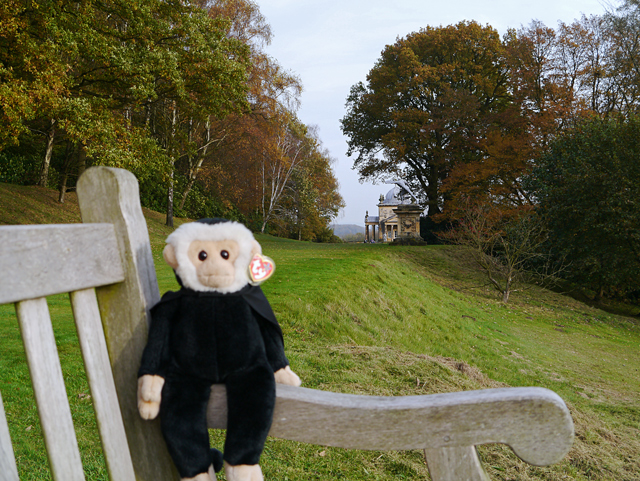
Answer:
[(332, 44)]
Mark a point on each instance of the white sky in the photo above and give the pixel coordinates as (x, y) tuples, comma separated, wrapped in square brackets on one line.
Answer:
[(332, 44)]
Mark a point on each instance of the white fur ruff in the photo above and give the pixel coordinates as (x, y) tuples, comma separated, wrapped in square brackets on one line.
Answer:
[(182, 237)]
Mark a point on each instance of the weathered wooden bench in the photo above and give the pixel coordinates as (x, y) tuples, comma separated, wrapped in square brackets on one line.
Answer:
[(107, 267)]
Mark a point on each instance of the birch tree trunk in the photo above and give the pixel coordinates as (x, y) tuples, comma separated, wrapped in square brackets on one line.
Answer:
[(169, 221), (194, 167), (289, 153), (46, 162), (172, 158)]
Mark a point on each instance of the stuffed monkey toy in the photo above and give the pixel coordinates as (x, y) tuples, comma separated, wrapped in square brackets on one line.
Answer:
[(218, 328)]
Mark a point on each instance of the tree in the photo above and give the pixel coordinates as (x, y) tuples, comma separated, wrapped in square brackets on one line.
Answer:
[(426, 105), (624, 31), (588, 188), (289, 147), (586, 52), (588, 67), (507, 249), (270, 91), (311, 200), (110, 75), (32, 74), (169, 89), (555, 78)]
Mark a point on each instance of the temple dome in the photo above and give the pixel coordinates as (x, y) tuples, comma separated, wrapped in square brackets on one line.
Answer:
[(392, 197)]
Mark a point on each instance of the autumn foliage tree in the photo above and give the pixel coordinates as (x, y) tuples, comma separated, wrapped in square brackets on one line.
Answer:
[(113, 74), (254, 158), (426, 106), (170, 89), (311, 199), (270, 90), (457, 112), (278, 175)]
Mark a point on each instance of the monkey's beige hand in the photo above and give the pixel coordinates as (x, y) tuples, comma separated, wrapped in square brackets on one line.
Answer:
[(243, 472), (149, 395), (287, 376)]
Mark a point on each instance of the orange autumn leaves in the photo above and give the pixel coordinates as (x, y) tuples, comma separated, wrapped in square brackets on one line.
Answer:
[(460, 112)]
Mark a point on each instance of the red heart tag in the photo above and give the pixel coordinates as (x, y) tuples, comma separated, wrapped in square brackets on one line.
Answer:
[(261, 268)]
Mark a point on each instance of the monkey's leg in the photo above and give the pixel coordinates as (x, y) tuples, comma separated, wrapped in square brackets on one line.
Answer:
[(251, 398), (184, 426), (210, 476)]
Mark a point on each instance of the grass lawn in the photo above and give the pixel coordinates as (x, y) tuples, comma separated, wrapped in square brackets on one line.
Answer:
[(374, 319)]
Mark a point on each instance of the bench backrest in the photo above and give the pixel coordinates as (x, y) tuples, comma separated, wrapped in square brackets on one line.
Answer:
[(38, 261), (107, 267), (109, 259)]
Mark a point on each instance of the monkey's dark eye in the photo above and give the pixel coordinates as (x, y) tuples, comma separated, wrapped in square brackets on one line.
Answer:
[(202, 256), (224, 254)]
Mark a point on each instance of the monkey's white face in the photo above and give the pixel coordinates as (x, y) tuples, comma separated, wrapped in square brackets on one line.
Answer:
[(214, 262), (211, 257)]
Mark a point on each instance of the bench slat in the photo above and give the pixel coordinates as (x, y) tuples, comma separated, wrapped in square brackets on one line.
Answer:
[(85, 256), (436, 421), (7, 459), (103, 389), (111, 195), (49, 390)]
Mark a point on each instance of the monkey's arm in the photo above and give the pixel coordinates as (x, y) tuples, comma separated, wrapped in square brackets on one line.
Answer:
[(155, 357), (274, 345)]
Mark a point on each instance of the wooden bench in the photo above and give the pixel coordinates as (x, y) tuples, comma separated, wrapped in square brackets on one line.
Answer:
[(107, 267)]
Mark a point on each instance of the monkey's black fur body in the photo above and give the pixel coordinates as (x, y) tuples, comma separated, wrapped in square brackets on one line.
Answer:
[(197, 339)]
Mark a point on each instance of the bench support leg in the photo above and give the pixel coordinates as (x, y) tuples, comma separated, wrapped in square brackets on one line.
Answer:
[(454, 464)]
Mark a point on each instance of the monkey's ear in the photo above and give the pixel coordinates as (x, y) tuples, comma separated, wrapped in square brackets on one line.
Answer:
[(255, 248), (169, 255)]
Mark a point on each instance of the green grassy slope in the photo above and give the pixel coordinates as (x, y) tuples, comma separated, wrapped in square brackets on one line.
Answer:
[(393, 321)]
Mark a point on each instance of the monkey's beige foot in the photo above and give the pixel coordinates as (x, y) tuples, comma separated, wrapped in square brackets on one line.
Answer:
[(243, 472), (209, 476)]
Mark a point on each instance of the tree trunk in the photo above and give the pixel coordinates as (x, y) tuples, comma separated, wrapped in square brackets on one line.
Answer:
[(169, 221), (193, 169), (433, 193), (62, 188), (505, 295), (82, 159), (46, 162), (193, 174), (172, 146), (187, 189)]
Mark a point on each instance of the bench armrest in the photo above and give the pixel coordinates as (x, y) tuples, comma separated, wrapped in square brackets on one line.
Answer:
[(534, 422)]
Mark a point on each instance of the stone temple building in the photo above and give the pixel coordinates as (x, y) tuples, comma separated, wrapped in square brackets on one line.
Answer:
[(398, 215)]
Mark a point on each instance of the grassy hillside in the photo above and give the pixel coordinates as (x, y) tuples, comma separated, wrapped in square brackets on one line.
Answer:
[(394, 321)]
